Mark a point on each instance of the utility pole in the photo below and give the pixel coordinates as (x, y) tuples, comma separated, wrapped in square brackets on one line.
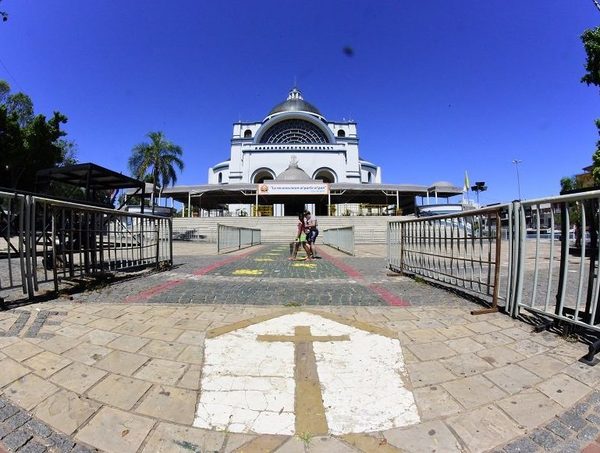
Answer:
[(517, 162)]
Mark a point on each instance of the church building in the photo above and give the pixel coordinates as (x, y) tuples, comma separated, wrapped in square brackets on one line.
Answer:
[(295, 159)]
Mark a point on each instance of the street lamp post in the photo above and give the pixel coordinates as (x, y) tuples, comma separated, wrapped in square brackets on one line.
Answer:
[(479, 187), (517, 162)]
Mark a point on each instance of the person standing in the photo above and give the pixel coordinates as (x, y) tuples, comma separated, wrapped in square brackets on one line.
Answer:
[(300, 239), (312, 232)]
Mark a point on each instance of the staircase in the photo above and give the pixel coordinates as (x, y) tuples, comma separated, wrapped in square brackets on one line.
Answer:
[(367, 229)]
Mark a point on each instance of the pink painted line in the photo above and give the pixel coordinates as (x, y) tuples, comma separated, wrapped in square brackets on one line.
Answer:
[(348, 270), (158, 289), (145, 295), (387, 296)]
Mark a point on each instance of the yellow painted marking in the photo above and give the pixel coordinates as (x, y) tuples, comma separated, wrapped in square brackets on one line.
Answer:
[(365, 442), (286, 311), (263, 259), (308, 401), (248, 272), (307, 265)]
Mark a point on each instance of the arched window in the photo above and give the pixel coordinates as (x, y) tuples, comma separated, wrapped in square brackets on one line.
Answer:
[(262, 174), (341, 133), (220, 178), (327, 175), (247, 133), (294, 131)]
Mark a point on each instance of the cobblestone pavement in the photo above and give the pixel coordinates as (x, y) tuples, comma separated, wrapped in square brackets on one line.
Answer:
[(119, 368)]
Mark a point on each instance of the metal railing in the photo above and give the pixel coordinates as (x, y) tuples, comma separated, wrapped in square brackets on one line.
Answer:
[(557, 275), (43, 240), (460, 250), (341, 238), (230, 238), (509, 256)]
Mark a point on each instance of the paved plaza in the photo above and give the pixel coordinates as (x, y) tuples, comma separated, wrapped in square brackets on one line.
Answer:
[(251, 352)]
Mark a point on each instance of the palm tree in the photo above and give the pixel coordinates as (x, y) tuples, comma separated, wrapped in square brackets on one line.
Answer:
[(157, 160)]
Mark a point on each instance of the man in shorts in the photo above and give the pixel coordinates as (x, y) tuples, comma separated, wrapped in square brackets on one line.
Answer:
[(312, 232)]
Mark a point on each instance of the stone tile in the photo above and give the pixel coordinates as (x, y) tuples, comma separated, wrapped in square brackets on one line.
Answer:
[(293, 445), (59, 344), (466, 364), (517, 333), (162, 371), (21, 351), (473, 391), (66, 411), (87, 353), (192, 354), (425, 335), (455, 331), (170, 438), (548, 339), (74, 330), (399, 314), (162, 333), (482, 327), (427, 373), (119, 391), (195, 324), (563, 389), (169, 404), (512, 378), (115, 431), (110, 312), (106, 324), (589, 375), (428, 436), (191, 378), (11, 371), (484, 428), (464, 345), (29, 391), (265, 442), (435, 402), (131, 328), (543, 365), (493, 339), (77, 377), (121, 362), (431, 351), (428, 324), (367, 442), (530, 409), (47, 363), (528, 348), (81, 318), (7, 341), (192, 338), (162, 349), (500, 356), (128, 343), (100, 337)]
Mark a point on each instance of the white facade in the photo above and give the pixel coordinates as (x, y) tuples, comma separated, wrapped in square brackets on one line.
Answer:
[(325, 150)]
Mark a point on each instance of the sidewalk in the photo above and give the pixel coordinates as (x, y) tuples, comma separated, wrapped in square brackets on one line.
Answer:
[(210, 356)]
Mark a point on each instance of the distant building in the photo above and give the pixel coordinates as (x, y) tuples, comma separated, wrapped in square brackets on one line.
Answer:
[(295, 158)]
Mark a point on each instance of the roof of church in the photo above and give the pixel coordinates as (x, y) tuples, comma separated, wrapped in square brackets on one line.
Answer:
[(293, 173), (294, 103)]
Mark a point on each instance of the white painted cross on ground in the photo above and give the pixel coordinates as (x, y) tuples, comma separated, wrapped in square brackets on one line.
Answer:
[(303, 373)]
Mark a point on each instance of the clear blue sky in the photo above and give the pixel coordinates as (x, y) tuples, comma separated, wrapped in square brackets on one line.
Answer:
[(436, 87)]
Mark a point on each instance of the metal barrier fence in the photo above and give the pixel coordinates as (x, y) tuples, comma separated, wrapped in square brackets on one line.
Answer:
[(539, 255), (230, 238), (340, 238), (44, 240), (461, 250)]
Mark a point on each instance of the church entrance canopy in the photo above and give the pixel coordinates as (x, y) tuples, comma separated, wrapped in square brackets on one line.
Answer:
[(210, 197)]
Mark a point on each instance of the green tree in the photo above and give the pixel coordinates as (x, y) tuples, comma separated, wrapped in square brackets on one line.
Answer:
[(158, 159), (591, 44), (28, 142)]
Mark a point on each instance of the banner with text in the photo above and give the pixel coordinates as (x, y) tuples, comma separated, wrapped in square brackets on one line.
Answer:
[(293, 189)]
